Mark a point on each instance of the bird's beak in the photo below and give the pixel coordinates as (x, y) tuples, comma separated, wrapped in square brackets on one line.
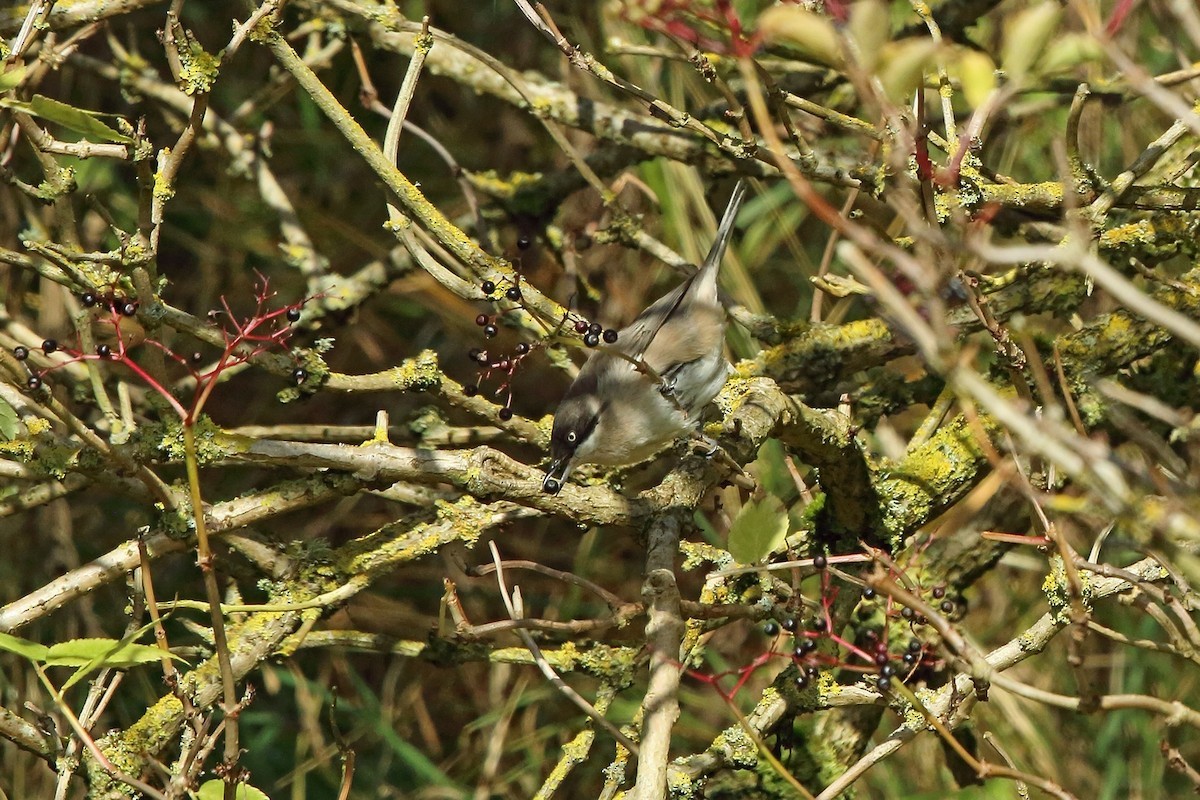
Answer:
[(556, 476)]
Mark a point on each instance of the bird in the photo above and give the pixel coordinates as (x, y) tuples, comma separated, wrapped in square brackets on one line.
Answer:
[(650, 386)]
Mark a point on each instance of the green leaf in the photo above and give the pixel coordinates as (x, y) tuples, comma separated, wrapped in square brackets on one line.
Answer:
[(11, 78), (870, 28), (106, 652), (90, 655), (23, 647), (758, 529), (976, 74), (93, 654), (8, 421), (215, 790), (903, 66), (809, 34), (82, 122), (1026, 38), (1070, 51)]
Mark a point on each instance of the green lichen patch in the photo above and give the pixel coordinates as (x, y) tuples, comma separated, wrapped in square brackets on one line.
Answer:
[(420, 374)]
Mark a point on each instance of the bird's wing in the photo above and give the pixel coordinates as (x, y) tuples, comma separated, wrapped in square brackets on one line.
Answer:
[(666, 333)]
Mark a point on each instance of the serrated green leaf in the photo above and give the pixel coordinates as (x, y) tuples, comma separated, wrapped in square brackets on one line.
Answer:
[(8, 421), (215, 790), (809, 34), (759, 528), (23, 647), (82, 122), (12, 78), (1026, 38)]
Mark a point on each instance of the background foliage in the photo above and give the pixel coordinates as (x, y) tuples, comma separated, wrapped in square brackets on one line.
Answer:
[(964, 399)]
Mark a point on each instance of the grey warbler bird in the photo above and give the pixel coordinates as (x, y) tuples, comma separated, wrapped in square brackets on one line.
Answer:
[(650, 386)]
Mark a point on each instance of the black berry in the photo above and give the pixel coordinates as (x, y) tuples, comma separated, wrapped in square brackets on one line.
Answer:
[(482, 320), (914, 646), (819, 624), (910, 658), (789, 624), (490, 330), (88, 299), (34, 383), (581, 326), (20, 353), (299, 375), (521, 348), (884, 684), (868, 593), (471, 390), (820, 562), (596, 328), (881, 658), (104, 351), (293, 315), (488, 287), (591, 340), (505, 413), (939, 592), (49, 346), (610, 336), (523, 243), (887, 670), (806, 646), (129, 309), (811, 672), (551, 486), (513, 293), (196, 357), (771, 629), (801, 681), (907, 613), (947, 606), (473, 353)]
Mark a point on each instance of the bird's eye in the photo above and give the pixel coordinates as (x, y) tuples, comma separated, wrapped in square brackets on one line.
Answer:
[(572, 437)]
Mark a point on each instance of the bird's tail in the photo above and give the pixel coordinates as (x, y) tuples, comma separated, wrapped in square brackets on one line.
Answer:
[(715, 253)]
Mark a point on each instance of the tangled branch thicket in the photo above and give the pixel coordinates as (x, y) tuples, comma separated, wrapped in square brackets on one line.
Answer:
[(291, 290)]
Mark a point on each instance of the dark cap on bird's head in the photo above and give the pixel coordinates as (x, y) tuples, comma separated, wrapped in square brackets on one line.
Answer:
[(574, 424)]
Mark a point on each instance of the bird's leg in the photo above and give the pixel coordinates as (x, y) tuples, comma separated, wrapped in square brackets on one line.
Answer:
[(703, 440), (711, 449)]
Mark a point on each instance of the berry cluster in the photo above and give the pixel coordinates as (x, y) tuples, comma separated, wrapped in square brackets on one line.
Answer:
[(114, 325), (507, 363), (873, 655), (113, 302), (120, 314)]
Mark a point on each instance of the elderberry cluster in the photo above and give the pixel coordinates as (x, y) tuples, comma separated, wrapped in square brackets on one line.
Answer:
[(113, 302), (119, 307), (873, 654), (506, 363)]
